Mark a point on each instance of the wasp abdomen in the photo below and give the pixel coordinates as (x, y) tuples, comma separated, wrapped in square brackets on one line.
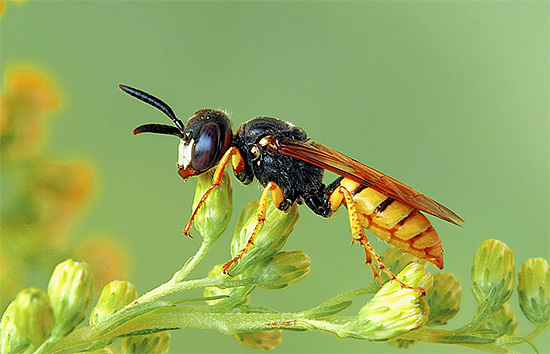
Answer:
[(394, 222)]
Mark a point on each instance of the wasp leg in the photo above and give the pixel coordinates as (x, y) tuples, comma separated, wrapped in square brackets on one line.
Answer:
[(278, 198), (231, 155), (359, 235)]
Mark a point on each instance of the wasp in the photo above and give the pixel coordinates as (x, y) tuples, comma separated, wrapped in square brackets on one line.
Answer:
[(290, 167)]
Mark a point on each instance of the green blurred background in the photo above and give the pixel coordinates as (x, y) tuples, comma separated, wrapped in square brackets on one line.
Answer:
[(449, 97)]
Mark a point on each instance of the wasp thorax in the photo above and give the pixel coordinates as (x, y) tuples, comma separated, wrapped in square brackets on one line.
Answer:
[(207, 136)]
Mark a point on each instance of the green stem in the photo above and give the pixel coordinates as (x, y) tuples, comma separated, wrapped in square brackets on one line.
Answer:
[(192, 262), (171, 286)]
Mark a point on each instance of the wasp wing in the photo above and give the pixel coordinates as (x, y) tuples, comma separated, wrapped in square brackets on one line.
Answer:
[(332, 160)]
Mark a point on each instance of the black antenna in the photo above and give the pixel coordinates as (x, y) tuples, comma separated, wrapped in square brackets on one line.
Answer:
[(155, 102), (159, 129)]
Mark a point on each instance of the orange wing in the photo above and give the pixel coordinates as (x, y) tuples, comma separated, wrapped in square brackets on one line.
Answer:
[(345, 166)]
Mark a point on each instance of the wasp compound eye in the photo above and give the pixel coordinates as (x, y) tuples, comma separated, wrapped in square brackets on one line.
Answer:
[(206, 148)]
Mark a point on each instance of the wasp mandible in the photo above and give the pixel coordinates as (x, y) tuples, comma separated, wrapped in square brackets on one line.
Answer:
[(290, 166)]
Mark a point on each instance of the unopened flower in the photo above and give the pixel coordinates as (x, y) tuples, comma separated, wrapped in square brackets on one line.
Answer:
[(214, 214), (70, 292), (534, 290), (12, 340), (394, 309), (281, 270), (502, 322), (270, 237), (443, 299), (33, 315), (265, 340), (493, 274), (156, 343), (114, 297)]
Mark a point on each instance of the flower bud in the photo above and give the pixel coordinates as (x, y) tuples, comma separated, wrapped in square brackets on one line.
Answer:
[(211, 291), (265, 340), (443, 299), (394, 309), (534, 290), (114, 297), (493, 274), (502, 322), (281, 270), (215, 213), (33, 315), (270, 237), (12, 340), (70, 292), (396, 260), (157, 343)]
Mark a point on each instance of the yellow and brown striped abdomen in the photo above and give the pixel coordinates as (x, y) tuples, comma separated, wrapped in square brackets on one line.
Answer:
[(396, 223)]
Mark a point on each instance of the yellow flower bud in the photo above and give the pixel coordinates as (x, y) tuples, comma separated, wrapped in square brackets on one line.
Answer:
[(114, 296), (12, 340), (265, 340), (270, 237), (502, 322), (394, 310), (493, 274), (443, 299), (70, 292), (156, 343), (33, 315), (281, 270), (215, 213), (534, 290)]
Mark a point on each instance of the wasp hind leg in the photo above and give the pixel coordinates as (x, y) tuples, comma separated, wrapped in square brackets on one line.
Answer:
[(359, 235), (278, 198)]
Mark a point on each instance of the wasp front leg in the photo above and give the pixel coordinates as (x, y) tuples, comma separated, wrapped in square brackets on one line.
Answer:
[(342, 195), (231, 155), (277, 197)]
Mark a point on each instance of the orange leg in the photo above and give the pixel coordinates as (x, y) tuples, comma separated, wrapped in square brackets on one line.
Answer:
[(231, 155), (278, 197), (359, 235)]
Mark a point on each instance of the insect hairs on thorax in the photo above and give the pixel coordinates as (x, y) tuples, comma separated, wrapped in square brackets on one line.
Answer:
[(297, 179)]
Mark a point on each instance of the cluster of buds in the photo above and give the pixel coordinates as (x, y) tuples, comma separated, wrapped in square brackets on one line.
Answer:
[(35, 317)]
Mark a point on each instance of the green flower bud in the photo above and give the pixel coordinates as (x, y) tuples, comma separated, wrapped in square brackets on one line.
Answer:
[(443, 299), (70, 292), (502, 322), (12, 340), (393, 310), (211, 291), (534, 290), (114, 297), (33, 315), (281, 270), (157, 343), (215, 213), (396, 260), (270, 237), (493, 274), (265, 340)]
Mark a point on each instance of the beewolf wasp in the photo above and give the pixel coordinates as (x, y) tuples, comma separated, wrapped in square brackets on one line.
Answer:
[(290, 166)]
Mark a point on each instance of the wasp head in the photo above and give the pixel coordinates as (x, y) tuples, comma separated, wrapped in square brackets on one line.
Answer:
[(203, 140)]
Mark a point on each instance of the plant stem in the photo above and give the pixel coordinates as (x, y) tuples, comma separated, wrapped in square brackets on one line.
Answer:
[(171, 286)]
